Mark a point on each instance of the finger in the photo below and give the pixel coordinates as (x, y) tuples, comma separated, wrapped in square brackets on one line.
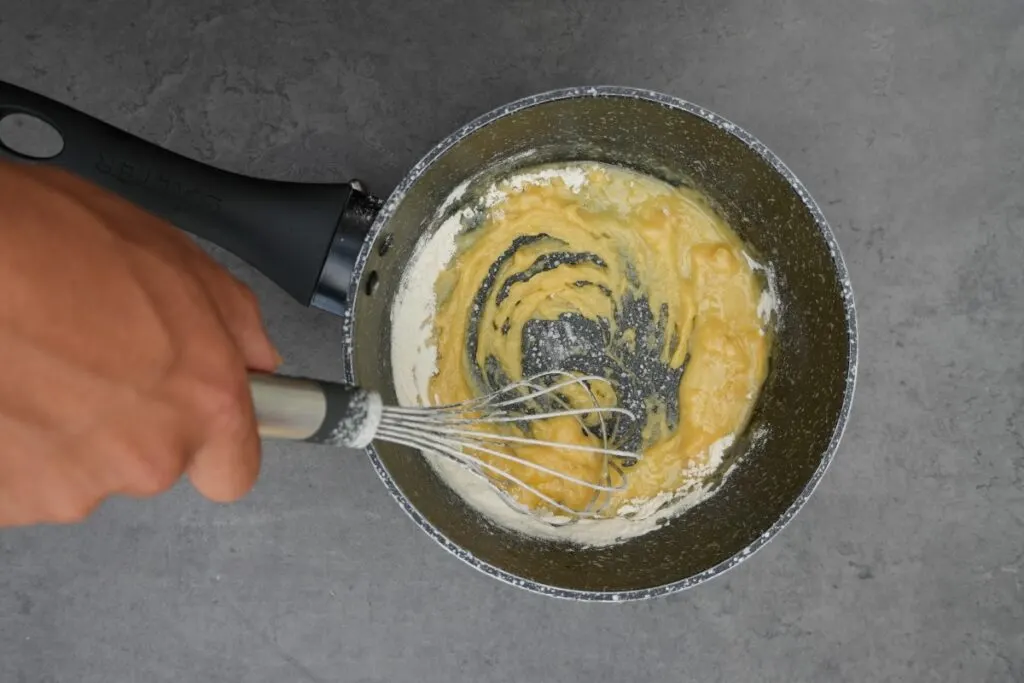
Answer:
[(14, 513), (227, 463), (68, 506), (36, 489), (62, 501), (239, 311), (149, 455), (227, 467)]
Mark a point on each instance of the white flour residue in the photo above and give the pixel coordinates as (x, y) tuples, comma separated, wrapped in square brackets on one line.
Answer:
[(765, 305), (413, 353), (574, 178), (768, 303), (456, 195), (635, 518)]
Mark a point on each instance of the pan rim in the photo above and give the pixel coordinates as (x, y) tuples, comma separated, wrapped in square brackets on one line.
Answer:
[(755, 145)]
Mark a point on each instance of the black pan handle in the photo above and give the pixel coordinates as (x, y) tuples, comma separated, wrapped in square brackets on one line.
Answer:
[(303, 236)]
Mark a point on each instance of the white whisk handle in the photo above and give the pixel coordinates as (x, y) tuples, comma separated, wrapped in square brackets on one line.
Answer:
[(303, 409)]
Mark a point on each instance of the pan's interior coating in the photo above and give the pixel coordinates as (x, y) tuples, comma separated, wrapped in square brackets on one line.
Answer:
[(803, 401)]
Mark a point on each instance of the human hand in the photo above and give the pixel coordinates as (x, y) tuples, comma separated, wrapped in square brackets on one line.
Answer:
[(125, 351)]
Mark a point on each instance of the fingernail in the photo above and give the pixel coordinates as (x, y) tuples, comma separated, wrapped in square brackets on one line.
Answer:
[(278, 360)]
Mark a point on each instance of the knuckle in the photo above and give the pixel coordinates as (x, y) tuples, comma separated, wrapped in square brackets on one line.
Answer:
[(156, 473), (223, 400), (248, 297), (237, 295), (72, 510), (248, 305)]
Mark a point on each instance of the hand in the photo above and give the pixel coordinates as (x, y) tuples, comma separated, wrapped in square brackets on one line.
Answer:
[(124, 351)]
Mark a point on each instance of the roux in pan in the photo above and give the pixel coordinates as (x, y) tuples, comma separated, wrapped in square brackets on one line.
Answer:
[(599, 270)]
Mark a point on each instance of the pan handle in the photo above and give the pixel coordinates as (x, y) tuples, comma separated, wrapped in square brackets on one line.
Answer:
[(303, 236)]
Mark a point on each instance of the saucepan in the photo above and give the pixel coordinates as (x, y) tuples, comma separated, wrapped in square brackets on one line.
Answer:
[(338, 248)]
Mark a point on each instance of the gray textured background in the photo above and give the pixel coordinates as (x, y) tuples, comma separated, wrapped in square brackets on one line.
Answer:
[(904, 119)]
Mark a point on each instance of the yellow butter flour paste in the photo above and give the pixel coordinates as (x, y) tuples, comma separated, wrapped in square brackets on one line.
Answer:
[(598, 270)]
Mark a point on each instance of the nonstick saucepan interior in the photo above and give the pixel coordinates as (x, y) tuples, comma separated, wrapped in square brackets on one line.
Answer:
[(337, 248)]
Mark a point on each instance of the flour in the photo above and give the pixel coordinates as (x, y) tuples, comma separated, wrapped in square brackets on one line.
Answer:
[(414, 363), (413, 355), (635, 518), (768, 303), (574, 178), (456, 195)]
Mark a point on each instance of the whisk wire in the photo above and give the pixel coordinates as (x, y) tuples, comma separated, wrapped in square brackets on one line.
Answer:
[(608, 465), (508, 438), (475, 465), (442, 430), (437, 442)]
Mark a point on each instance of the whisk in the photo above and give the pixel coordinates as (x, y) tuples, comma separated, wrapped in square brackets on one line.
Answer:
[(337, 414)]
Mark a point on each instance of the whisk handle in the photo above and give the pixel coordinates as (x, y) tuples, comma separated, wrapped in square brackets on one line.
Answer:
[(317, 411)]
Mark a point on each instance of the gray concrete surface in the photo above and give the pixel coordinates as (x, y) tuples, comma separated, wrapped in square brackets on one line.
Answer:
[(906, 120)]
